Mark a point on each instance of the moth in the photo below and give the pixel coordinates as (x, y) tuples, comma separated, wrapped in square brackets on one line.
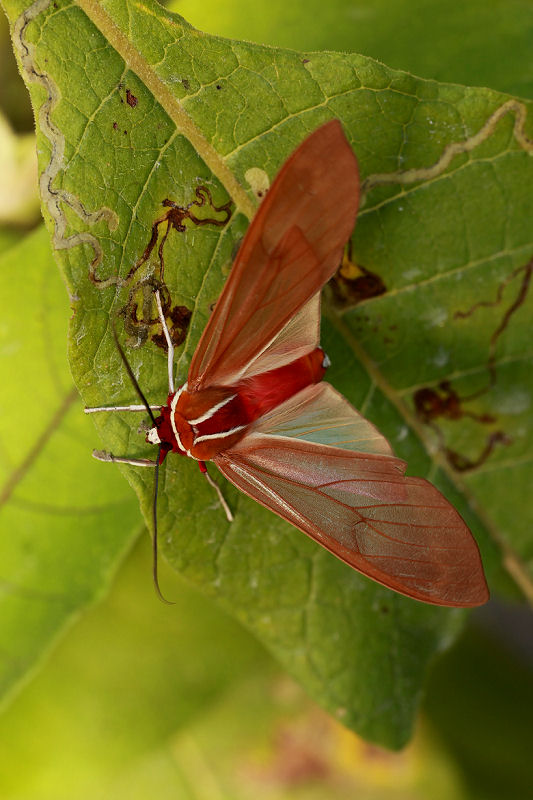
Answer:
[(256, 406)]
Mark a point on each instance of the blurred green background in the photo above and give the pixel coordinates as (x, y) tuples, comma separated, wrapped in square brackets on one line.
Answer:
[(141, 700)]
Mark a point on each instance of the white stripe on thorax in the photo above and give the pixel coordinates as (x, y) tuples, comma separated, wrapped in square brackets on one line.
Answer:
[(172, 412), (221, 435), (212, 411)]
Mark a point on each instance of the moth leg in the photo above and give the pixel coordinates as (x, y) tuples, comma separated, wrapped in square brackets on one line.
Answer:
[(103, 455), (216, 487), (170, 346), (96, 409)]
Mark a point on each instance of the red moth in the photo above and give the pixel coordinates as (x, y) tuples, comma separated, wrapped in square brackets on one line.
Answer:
[(254, 402)]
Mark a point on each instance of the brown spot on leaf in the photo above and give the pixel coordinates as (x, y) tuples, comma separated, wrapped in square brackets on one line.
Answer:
[(177, 319), (141, 320), (175, 219), (430, 404), (523, 289), (463, 463), (131, 99), (353, 283), (444, 402)]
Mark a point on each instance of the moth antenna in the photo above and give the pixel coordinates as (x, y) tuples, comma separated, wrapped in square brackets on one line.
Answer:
[(218, 490), (154, 540), (170, 346), (132, 377)]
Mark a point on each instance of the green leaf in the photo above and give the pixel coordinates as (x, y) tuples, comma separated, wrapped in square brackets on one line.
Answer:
[(142, 700), (489, 673), (64, 530), (136, 107), (132, 677), (475, 43)]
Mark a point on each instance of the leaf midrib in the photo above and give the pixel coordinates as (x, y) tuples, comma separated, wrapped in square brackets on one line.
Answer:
[(22, 470)]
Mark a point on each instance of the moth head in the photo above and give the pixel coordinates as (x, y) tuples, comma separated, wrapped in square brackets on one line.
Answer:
[(161, 433), (152, 436)]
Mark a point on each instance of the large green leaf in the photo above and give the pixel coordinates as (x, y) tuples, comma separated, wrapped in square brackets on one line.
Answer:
[(476, 43), (64, 530), (134, 107)]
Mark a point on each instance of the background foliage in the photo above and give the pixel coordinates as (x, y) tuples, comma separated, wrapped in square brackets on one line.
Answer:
[(69, 528)]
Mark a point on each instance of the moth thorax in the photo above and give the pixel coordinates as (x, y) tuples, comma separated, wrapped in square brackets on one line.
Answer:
[(153, 436)]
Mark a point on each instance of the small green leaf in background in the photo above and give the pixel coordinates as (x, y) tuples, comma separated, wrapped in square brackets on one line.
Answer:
[(133, 674), (444, 230), (64, 530), (147, 701), (475, 43)]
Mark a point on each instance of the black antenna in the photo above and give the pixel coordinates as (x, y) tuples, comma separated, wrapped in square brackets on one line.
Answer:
[(154, 540), (132, 377), (139, 391)]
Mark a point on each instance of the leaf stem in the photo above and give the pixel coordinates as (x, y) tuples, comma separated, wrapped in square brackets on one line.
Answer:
[(173, 107)]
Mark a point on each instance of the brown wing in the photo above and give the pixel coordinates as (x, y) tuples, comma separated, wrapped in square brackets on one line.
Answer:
[(400, 531), (292, 247), (297, 338)]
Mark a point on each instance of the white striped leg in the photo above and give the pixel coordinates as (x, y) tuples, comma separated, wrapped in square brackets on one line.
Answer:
[(103, 455), (222, 501), (97, 409)]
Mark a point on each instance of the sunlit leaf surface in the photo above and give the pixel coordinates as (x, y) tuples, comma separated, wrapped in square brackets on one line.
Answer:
[(64, 530)]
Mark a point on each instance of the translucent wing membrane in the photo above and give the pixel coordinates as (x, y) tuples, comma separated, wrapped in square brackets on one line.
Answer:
[(398, 530), (299, 336), (322, 415), (293, 246)]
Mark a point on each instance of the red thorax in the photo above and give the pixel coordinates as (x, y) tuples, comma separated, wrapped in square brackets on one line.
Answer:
[(203, 423)]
